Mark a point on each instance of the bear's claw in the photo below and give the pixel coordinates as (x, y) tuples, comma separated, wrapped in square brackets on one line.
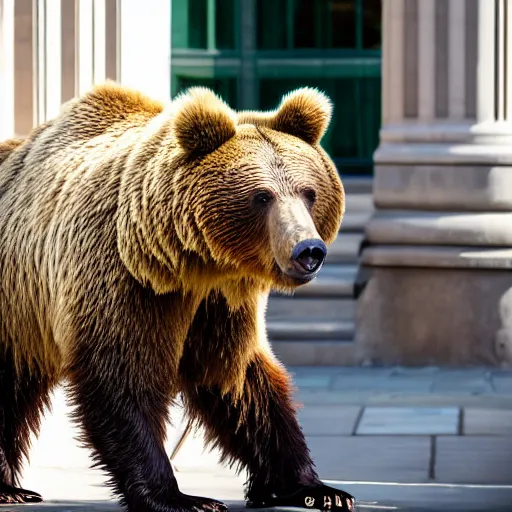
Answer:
[(319, 497), (10, 495), (199, 504)]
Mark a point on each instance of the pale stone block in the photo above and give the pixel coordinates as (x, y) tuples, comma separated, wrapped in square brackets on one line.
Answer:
[(449, 186), (422, 316), (440, 228), (502, 383), (318, 420), (381, 384), (409, 420), (474, 460), (431, 256), (372, 459), (469, 382), (487, 422), (313, 381)]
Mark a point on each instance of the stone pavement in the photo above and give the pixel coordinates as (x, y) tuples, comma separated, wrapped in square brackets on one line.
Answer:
[(397, 438)]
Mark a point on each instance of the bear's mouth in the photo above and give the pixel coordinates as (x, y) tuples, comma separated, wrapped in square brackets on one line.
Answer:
[(291, 277), (300, 278)]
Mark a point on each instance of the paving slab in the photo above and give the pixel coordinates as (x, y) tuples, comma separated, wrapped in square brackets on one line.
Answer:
[(474, 460), (381, 383), (382, 498), (409, 420), (502, 383), (328, 421), (376, 458), (427, 497), (487, 422), (370, 497), (314, 370), (462, 383), (408, 371), (382, 471), (397, 398), (315, 381)]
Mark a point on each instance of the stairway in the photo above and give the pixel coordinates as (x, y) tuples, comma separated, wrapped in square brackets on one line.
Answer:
[(316, 325)]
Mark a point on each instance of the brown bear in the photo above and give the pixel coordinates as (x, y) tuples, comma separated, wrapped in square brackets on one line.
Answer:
[(138, 246)]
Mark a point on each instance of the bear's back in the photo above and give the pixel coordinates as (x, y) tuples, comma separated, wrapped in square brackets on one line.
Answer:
[(59, 193)]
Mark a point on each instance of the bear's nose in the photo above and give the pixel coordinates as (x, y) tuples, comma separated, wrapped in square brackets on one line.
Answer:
[(309, 255)]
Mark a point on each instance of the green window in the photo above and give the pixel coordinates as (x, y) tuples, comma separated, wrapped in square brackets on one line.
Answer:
[(203, 24), (251, 52)]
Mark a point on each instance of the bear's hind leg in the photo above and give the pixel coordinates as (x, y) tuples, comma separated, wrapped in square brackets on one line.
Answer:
[(23, 394), (123, 420)]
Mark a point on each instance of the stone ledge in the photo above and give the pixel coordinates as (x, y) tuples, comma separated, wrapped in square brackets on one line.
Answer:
[(316, 352), (310, 308), (440, 228), (354, 221), (437, 257), (447, 131), (360, 203), (332, 281), (415, 153), (443, 186), (356, 185), (280, 329), (345, 249)]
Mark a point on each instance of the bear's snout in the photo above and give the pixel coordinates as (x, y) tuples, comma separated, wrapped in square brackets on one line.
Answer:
[(296, 244), (308, 256)]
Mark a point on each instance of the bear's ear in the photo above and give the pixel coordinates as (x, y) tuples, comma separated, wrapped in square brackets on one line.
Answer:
[(202, 121), (305, 113)]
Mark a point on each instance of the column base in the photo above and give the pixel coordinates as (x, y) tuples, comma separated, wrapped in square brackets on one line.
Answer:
[(435, 316)]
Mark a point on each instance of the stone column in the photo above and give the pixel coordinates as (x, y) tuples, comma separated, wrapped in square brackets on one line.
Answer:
[(53, 50), (439, 255), (17, 67)]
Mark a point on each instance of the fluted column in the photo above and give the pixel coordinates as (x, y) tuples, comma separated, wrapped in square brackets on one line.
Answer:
[(439, 250), (53, 50)]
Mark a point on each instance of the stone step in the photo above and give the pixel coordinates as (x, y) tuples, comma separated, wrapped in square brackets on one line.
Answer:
[(316, 352), (441, 228), (345, 249), (355, 221), (333, 281), (359, 203), (318, 308), (357, 185), (310, 330)]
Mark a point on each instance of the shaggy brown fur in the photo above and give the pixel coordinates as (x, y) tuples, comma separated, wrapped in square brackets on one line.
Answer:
[(7, 147), (138, 246)]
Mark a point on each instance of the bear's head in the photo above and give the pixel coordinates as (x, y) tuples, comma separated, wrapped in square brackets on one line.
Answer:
[(258, 195)]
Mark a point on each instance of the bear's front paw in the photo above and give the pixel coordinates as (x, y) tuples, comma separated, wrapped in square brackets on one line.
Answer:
[(10, 495), (179, 502), (318, 496), (199, 504)]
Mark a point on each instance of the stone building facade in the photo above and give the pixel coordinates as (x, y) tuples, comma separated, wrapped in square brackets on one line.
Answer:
[(438, 259)]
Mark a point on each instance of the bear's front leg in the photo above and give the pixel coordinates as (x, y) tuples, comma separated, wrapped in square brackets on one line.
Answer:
[(122, 405), (260, 431)]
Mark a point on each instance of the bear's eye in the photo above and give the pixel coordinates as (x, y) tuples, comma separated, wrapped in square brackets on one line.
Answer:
[(262, 198), (309, 195)]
